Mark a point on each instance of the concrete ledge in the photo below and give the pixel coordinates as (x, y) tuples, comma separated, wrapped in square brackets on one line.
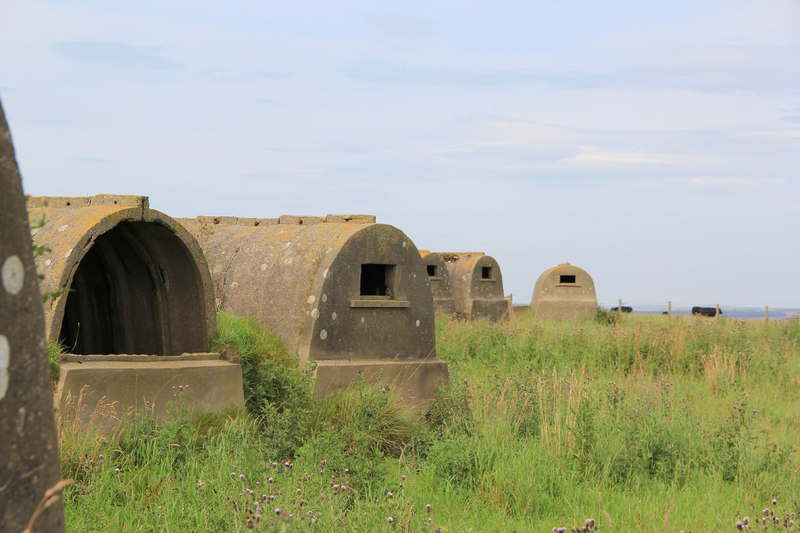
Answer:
[(416, 382), (444, 305), (135, 358), (491, 309), (103, 392), (380, 303)]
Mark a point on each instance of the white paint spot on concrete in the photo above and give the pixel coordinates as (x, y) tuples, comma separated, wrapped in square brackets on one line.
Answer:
[(288, 244), (324, 298), (362, 319), (325, 273), (69, 252), (414, 275), (323, 334), (329, 250), (314, 313), (48, 262), (263, 267), (311, 299), (333, 315), (289, 262), (13, 275), (417, 323), (5, 361), (404, 244), (234, 285), (62, 228)]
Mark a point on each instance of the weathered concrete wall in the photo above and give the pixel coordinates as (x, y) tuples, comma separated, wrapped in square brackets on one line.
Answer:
[(113, 386), (137, 280), (29, 461), (439, 277), (564, 292), (304, 283), (476, 285)]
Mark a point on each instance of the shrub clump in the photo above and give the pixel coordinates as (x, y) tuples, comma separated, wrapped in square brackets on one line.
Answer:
[(277, 391)]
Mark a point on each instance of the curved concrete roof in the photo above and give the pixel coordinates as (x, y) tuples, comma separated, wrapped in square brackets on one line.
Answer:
[(476, 284), (161, 296), (341, 290), (439, 277), (564, 292)]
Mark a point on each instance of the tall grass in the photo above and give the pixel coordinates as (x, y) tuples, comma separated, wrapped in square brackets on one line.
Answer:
[(640, 423)]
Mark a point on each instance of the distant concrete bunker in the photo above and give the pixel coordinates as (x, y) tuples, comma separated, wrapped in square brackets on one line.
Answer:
[(564, 292), (439, 278), (342, 290), (130, 282), (476, 284)]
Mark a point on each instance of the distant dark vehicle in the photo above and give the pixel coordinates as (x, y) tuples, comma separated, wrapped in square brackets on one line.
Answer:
[(625, 309), (705, 311)]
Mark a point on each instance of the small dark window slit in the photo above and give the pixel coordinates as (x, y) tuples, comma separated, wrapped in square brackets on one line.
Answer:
[(377, 280), (567, 278), (432, 270), (486, 272)]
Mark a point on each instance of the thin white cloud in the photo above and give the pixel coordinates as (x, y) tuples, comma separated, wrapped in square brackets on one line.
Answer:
[(728, 182), (593, 156), (781, 134)]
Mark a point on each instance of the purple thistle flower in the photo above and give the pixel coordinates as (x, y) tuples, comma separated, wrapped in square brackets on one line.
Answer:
[(277, 511), (390, 519), (428, 507), (271, 480), (739, 525), (389, 494), (241, 476), (116, 470), (774, 501), (746, 520), (346, 470)]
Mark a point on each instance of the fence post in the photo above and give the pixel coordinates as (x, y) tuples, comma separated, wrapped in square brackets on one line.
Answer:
[(669, 308), (716, 313), (766, 313)]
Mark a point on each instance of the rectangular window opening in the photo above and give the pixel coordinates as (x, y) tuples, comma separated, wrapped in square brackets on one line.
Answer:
[(566, 278), (486, 272), (377, 280), (432, 271)]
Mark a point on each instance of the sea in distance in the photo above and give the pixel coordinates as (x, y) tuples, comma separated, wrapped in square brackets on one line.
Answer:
[(728, 311)]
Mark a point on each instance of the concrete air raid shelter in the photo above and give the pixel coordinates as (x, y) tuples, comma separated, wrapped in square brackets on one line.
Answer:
[(29, 467), (564, 292), (341, 290), (439, 277), (133, 305), (476, 285)]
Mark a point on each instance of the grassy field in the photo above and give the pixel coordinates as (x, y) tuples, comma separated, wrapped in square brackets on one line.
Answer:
[(637, 423)]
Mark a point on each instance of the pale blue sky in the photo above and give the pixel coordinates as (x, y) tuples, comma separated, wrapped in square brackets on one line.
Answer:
[(654, 144)]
